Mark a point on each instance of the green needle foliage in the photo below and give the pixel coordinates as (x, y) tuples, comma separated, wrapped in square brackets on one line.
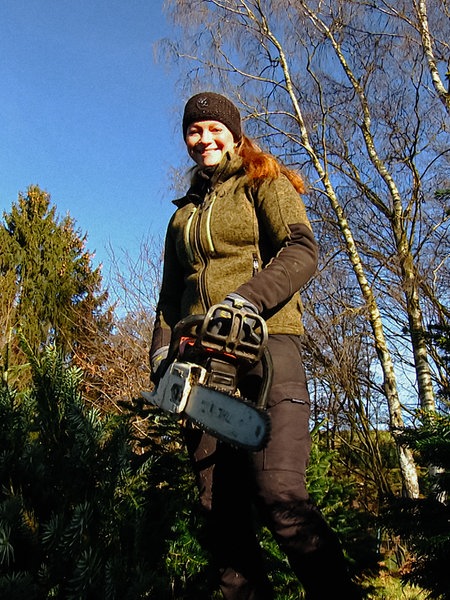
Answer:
[(50, 291), (82, 516)]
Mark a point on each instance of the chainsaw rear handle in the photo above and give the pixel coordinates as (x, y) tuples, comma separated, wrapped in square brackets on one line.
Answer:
[(234, 331), (224, 329)]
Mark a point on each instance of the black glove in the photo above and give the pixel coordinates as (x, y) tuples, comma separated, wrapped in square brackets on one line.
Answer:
[(157, 360), (237, 301)]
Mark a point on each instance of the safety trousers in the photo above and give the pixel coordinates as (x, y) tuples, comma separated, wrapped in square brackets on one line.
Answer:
[(234, 483)]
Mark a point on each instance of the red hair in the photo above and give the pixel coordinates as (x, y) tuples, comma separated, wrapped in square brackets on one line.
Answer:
[(261, 165)]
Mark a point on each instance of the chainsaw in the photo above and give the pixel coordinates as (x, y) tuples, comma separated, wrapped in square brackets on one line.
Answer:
[(208, 354)]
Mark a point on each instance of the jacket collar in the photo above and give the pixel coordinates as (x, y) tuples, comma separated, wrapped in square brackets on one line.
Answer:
[(204, 180)]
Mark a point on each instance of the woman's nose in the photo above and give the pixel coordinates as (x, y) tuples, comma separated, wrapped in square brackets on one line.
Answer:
[(206, 137)]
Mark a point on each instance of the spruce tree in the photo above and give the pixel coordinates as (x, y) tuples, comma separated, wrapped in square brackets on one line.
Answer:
[(54, 293)]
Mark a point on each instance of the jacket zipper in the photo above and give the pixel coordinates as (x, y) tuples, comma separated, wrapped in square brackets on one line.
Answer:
[(187, 235), (204, 296), (255, 264), (209, 239), (206, 222), (203, 214)]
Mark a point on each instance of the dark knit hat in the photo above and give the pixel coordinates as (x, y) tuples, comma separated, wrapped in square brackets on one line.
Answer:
[(208, 106)]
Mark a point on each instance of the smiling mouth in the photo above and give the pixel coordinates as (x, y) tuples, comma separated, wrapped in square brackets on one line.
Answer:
[(208, 154)]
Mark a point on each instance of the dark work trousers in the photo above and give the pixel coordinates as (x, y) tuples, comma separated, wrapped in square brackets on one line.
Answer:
[(232, 482)]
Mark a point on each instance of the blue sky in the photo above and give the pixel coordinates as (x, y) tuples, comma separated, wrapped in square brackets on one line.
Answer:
[(88, 115)]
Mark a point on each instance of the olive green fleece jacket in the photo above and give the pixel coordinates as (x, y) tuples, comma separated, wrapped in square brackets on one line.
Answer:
[(229, 234)]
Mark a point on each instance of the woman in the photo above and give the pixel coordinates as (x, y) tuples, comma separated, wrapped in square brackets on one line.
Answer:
[(241, 236)]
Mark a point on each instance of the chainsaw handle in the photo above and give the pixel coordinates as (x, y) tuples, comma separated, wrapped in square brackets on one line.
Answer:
[(234, 331), (230, 338)]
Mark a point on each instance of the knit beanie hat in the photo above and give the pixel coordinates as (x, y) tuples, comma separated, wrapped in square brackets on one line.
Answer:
[(208, 106)]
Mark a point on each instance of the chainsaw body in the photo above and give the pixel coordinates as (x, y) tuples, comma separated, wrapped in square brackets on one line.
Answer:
[(207, 357)]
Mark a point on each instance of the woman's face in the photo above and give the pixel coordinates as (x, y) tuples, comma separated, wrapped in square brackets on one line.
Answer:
[(208, 141)]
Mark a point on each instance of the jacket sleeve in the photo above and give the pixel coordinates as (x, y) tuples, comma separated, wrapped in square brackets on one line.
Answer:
[(168, 307), (293, 260)]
